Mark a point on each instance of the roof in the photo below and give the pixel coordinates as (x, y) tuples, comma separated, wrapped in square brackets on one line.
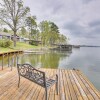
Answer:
[(5, 34), (9, 34)]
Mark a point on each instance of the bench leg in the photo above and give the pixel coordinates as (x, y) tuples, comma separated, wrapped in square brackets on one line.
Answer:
[(46, 94), (57, 84), (19, 81)]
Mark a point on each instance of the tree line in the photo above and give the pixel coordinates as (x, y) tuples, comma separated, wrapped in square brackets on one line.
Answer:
[(18, 18)]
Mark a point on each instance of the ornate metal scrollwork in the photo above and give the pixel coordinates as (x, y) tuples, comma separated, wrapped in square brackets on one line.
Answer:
[(29, 72), (37, 76)]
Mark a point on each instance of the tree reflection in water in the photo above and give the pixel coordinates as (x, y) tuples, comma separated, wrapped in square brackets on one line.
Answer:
[(46, 60)]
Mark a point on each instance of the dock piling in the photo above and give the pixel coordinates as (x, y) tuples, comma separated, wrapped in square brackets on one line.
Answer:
[(10, 61), (2, 61)]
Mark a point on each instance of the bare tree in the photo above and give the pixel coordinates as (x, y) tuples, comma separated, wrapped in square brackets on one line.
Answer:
[(13, 14)]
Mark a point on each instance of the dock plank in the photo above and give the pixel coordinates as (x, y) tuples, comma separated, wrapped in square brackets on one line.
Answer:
[(78, 94), (72, 85), (95, 93)]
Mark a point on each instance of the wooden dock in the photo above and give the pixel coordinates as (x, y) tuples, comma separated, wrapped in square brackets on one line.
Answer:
[(73, 85), (8, 54), (11, 52)]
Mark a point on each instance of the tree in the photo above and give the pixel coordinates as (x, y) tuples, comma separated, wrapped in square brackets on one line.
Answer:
[(44, 30), (5, 30), (23, 32), (36, 35), (54, 27), (62, 39), (31, 25), (49, 32), (54, 33), (13, 14)]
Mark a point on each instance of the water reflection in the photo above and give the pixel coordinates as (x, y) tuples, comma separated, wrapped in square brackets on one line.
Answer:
[(47, 60)]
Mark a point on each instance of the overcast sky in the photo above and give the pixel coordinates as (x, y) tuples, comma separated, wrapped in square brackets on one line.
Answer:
[(78, 19)]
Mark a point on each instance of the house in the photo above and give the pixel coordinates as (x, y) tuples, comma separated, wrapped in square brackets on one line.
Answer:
[(4, 35)]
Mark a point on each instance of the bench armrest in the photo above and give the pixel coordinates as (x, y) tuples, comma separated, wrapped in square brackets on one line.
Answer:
[(52, 77)]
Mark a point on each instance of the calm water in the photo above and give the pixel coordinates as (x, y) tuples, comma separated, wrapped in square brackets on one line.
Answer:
[(85, 59)]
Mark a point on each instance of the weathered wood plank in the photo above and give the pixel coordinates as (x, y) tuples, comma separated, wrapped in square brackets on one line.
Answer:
[(78, 94), (61, 88), (89, 85), (72, 93), (73, 85), (51, 92), (80, 86), (66, 86)]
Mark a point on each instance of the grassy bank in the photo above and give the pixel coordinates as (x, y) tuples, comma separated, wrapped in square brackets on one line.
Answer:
[(19, 46)]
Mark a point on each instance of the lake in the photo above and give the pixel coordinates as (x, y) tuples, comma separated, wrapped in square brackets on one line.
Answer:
[(86, 59)]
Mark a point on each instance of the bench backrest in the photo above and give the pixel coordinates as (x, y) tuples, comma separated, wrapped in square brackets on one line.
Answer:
[(31, 73)]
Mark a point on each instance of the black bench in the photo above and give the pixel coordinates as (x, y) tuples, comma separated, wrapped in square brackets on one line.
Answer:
[(37, 76)]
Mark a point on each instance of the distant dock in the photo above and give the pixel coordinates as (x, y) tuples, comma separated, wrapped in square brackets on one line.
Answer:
[(33, 52)]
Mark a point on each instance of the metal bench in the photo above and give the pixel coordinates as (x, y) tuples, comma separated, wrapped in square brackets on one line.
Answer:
[(37, 76)]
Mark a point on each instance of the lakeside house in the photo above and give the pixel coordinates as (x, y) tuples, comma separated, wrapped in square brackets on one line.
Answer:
[(4, 35)]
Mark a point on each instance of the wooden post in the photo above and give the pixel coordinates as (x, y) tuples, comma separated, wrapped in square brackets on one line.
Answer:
[(11, 63), (2, 61), (18, 56), (17, 60), (8, 59), (14, 59)]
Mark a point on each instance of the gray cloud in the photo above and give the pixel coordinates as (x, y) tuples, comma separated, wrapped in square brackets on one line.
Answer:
[(86, 1), (95, 33), (57, 8), (94, 23), (74, 28), (79, 19), (91, 31)]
